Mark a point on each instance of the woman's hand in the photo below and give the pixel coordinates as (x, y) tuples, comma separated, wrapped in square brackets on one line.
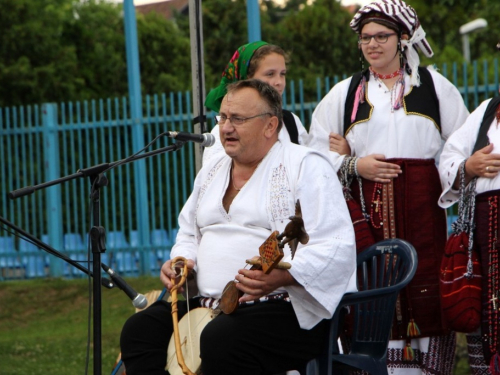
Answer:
[(373, 168), (167, 273), (482, 164), (339, 144)]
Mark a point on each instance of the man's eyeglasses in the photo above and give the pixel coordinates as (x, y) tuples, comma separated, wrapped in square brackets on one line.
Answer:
[(379, 38), (236, 120)]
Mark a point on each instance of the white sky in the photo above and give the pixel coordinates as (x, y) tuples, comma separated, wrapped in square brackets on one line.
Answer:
[(344, 2)]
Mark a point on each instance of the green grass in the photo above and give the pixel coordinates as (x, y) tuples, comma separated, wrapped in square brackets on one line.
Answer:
[(43, 326)]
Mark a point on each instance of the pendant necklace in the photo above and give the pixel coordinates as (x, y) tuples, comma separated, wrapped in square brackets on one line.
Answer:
[(232, 177), (396, 101), (232, 180), (255, 168)]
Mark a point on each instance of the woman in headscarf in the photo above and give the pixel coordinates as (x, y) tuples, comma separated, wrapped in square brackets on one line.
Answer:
[(265, 62), (383, 128), (476, 143)]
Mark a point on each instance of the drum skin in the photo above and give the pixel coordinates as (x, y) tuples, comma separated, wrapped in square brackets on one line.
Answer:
[(190, 327)]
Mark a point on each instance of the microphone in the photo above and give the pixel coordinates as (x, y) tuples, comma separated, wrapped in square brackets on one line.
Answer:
[(206, 139), (138, 300)]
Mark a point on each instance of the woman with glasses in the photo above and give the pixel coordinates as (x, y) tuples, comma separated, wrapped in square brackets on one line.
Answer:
[(383, 128), (265, 62)]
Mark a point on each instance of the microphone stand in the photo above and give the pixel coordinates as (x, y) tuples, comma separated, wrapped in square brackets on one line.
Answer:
[(49, 249), (97, 233)]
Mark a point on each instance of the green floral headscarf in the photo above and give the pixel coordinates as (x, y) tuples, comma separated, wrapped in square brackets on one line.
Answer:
[(236, 70)]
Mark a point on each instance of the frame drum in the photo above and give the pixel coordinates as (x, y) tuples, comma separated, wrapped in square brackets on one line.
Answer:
[(190, 327)]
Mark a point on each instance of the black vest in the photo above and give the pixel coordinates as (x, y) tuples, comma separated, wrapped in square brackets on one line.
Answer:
[(420, 100), (489, 114), (291, 126)]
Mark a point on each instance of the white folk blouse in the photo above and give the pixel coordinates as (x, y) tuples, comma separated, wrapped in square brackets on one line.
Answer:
[(458, 148), (219, 242), (393, 134)]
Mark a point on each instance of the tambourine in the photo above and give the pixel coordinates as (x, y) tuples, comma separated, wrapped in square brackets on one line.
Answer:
[(190, 327)]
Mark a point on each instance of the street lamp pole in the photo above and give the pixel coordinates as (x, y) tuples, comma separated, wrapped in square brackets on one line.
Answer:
[(468, 28)]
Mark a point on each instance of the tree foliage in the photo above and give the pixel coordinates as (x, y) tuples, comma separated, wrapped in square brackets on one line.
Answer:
[(319, 41), (225, 28), (441, 20), (66, 50), (164, 53), (31, 55)]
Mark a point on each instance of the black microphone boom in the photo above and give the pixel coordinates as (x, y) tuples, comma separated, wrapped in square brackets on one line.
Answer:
[(138, 300), (206, 139)]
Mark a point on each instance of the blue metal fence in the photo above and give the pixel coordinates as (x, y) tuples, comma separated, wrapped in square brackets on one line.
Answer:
[(43, 143)]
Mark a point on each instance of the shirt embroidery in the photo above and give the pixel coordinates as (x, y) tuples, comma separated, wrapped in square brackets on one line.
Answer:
[(279, 193), (203, 189)]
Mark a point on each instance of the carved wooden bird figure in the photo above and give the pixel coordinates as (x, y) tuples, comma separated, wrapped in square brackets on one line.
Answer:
[(294, 231)]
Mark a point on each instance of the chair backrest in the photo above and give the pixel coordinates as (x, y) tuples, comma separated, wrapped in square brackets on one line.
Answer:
[(25, 246), (383, 270), (7, 245), (159, 237), (116, 240), (73, 241), (134, 238)]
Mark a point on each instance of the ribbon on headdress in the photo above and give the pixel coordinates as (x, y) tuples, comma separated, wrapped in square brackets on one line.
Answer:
[(411, 54)]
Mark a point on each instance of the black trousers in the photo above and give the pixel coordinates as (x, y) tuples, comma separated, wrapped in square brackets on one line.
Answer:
[(263, 338)]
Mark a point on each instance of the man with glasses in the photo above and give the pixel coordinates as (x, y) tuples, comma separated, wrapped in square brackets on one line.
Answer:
[(384, 128), (238, 200)]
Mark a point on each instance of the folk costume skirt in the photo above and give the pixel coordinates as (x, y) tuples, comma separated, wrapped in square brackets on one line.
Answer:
[(418, 219), (486, 243), (483, 344)]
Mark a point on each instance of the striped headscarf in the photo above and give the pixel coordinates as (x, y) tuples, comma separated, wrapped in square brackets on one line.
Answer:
[(236, 70), (404, 16)]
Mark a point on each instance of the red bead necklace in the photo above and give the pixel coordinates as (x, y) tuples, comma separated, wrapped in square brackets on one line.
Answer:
[(386, 76)]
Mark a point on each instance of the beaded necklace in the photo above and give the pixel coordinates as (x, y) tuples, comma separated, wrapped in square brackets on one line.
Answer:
[(376, 205), (386, 76), (497, 115), (396, 99), (493, 312)]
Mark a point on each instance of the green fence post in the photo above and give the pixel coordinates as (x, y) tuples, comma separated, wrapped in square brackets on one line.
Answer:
[(135, 102), (53, 193)]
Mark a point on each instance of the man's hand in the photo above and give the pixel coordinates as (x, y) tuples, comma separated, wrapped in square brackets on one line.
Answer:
[(339, 144), (373, 168), (167, 273), (256, 284)]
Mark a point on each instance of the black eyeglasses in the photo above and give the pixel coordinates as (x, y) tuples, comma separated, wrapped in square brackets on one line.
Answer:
[(379, 38), (236, 120)]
